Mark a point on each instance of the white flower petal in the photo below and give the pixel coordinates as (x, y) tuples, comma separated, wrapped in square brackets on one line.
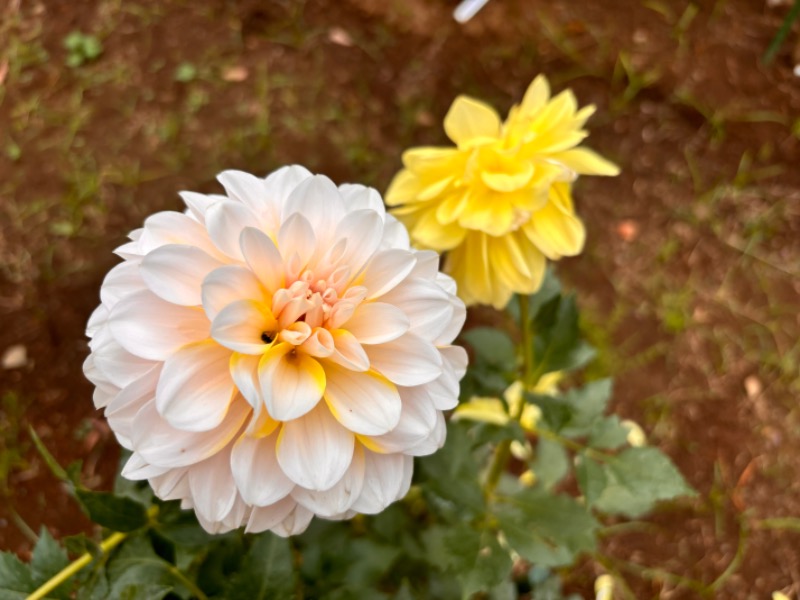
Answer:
[(122, 281), (264, 518), (409, 360), (244, 187), (136, 469), (317, 199), (341, 496), (358, 197), (291, 382), (162, 445), (175, 273), (377, 323), (428, 306), (297, 243), (395, 234), (244, 371), (241, 326), (434, 441), (195, 388), (123, 408), (384, 480), (295, 523), (149, 327), (228, 284), (315, 451), (263, 258), (362, 230), (365, 403), (255, 468), (115, 364), (226, 220), (387, 269), (212, 487), (348, 353), (170, 227), (198, 204), (417, 421)]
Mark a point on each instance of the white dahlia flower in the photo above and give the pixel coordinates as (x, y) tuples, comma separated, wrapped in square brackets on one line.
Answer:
[(276, 353)]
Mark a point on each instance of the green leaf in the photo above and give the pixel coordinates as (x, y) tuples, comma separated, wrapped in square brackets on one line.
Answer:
[(135, 562), (575, 413), (451, 474), (608, 433), (477, 559), (49, 559), (15, 575), (637, 479), (551, 464), (266, 571), (546, 529), (493, 346), (557, 343), (591, 478), (114, 512), (550, 288)]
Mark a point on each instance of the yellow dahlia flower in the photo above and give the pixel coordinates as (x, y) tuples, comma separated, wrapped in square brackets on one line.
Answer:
[(500, 201)]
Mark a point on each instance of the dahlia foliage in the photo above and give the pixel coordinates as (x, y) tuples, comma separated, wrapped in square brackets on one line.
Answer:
[(500, 202), (277, 352)]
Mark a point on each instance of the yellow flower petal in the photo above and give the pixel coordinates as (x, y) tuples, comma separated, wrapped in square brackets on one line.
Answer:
[(403, 189), (486, 410), (469, 119), (587, 162), (554, 231), (428, 232)]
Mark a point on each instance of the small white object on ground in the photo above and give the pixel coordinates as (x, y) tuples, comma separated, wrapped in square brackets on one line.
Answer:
[(796, 70), (468, 9), (14, 357)]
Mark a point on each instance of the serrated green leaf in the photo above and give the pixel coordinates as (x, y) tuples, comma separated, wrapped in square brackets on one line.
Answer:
[(134, 562), (493, 346), (15, 575), (266, 572), (490, 568), (575, 412), (637, 478), (48, 559), (557, 343), (608, 433), (451, 474), (476, 559), (551, 464), (544, 528), (591, 478), (80, 544), (114, 512)]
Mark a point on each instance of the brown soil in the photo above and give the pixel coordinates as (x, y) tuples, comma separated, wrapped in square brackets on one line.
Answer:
[(689, 283)]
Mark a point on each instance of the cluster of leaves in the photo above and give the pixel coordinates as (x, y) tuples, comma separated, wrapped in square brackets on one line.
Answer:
[(81, 48), (453, 536)]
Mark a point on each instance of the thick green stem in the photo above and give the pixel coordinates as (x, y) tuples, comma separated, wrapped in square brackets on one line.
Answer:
[(503, 451), (108, 544), (71, 569)]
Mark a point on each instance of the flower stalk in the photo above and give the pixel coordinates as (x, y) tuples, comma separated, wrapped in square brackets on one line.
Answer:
[(75, 566), (503, 451)]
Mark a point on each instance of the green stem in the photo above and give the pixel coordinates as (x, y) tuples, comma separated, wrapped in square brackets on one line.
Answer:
[(111, 542), (503, 451), (71, 569)]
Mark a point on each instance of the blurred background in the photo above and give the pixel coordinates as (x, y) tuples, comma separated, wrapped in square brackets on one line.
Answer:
[(688, 286)]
